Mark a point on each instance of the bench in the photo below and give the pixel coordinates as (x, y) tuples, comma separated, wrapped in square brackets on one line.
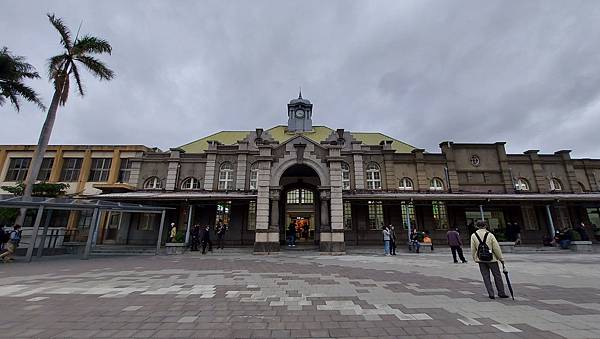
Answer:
[(425, 247), (507, 246)]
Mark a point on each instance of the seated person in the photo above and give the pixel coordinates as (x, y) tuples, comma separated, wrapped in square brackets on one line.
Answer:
[(564, 239), (427, 239)]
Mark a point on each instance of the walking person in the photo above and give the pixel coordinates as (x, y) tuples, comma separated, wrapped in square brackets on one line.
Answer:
[(292, 234), (172, 232), (221, 230), (195, 237), (386, 241), (206, 240), (392, 240), (12, 244), (486, 252), (455, 244)]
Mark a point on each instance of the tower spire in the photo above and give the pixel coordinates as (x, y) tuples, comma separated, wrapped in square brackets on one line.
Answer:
[(300, 92)]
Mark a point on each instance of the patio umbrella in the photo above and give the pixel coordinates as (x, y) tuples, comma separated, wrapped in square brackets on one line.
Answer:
[(512, 294)]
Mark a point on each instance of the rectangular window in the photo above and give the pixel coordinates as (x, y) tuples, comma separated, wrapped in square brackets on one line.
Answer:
[(307, 197), (46, 169), (147, 221), (17, 169), (346, 179), (223, 212), (124, 170), (530, 218), (252, 216), (293, 197), (375, 215), (85, 219), (408, 209), (347, 216), (70, 170), (100, 169), (440, 215)]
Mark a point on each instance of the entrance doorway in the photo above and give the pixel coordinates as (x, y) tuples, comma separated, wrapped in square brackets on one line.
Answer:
[(304, 228)]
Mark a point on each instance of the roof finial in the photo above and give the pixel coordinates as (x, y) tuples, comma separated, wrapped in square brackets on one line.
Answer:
[(300, 94)]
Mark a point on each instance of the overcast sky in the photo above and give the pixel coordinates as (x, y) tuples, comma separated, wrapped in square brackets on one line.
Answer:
[(525, 72)]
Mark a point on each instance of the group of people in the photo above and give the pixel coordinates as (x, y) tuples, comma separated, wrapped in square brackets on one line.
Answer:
[(389, 240), (200, 236), (564, 236), (9, 241), (292, 232)]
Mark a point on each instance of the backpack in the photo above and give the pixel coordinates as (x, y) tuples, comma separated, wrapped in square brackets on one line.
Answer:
[(17, 238), (483, 250), (4, 237)]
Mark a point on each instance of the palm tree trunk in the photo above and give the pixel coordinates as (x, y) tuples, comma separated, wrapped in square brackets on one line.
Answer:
[(40, 150)]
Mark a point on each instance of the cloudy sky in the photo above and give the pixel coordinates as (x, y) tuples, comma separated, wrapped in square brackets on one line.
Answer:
[(525, 72)]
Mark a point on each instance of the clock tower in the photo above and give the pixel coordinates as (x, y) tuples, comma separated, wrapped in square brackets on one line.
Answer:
[(299, 115)]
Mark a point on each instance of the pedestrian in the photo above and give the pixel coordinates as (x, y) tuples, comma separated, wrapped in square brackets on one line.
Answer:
[(509, 232), (12, 244), (392, 240), (486, 252), (221, 230), (292, 234), (583, 235), (206, 240), (172, 232), (455, 244), (517, 233), (414, 240), (386, 240), (195, 237), (3, 238)]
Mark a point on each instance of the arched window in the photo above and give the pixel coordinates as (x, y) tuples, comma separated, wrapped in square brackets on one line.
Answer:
[(555, 185), (406, 184), (254, 176), (153, 183), (373, 176), (436, 184), (226, 176), (522, 184), (345, 176), (582, 186), (190, 183)]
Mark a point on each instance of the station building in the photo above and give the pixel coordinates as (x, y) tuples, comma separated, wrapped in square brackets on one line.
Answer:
[(339, 188)]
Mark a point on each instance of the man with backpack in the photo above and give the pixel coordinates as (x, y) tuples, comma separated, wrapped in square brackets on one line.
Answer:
[(486, 252), (12, 244)]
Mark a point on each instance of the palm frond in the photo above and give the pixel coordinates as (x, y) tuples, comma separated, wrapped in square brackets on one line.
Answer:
[(90, 44), (56, 64), (96, 67), (26, 92), (63, 30), (14, 67), (77, 78)]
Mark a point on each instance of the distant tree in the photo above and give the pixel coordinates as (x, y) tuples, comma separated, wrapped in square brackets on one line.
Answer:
[(61, 68), (13, 70)]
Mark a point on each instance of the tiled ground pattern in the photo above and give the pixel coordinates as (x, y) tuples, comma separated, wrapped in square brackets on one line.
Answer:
[(237, 295)]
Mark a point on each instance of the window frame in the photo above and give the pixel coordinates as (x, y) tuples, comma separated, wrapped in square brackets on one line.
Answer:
[(375, 215), (402, 184), (251, 225), (346, 177), (373, 171), (555, 184), (253, 177), (156, 183), (433, 187), (408, 208), (99, 172), (45, 171), (440, 215), (71, 169), (17, 173), (347, 214), (195, 184), (124, 170), (225, 176), (522, 185)]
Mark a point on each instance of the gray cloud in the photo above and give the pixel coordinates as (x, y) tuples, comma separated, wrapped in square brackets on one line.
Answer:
[(525, 72)]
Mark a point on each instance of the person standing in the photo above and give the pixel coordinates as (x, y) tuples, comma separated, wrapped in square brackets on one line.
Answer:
[(292, 234), (195, 237), (486, 252), (455, 244), (172, 232), (386, 241), (12, 244), (392, 240), (221, 230), (206, 240)]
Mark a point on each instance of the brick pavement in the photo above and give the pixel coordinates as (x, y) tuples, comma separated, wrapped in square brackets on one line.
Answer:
[(237, 295)]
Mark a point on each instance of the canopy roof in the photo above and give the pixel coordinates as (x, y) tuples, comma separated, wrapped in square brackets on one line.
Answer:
[(75, 204)]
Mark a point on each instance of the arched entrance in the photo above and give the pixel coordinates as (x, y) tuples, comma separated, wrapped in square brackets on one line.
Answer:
[(300, 199)]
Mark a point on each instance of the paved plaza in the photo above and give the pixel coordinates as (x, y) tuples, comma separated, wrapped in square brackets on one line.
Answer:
[(234, 294)]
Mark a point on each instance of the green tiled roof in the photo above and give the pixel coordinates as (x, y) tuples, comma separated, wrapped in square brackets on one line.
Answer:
[(319, 133)]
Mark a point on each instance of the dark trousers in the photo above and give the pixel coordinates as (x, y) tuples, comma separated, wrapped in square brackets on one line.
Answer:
[(194, 244), (485, 268), (204, 243), (220, 242), (393, 247), (460, 253)]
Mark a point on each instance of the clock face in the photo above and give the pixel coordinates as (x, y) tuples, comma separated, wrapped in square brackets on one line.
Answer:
[(299, 113)]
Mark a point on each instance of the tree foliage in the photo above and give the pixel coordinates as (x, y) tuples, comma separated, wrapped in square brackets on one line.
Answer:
[(13, 70), (42, 189)]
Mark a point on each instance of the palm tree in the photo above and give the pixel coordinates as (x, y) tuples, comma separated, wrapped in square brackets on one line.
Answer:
[(60, 69), (13, 70)]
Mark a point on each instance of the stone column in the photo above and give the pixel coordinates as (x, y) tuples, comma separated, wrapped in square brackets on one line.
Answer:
[(565, 156), (422, 182), (211, 159), (240, 180), (173, 169), (84, 173), (452, 178), (267, 238), (325, 226), (337, 245), (541, 180), (57, 165), (114, 167)]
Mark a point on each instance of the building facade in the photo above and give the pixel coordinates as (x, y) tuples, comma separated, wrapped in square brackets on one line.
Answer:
[(338, 188)]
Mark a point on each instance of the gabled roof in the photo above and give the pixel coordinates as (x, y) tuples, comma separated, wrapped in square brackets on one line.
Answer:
[(318, 134)]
